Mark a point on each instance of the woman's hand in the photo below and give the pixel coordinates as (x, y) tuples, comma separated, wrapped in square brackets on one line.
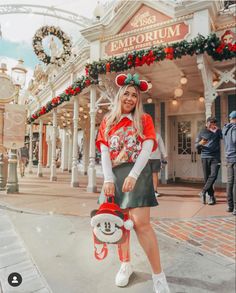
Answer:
[(129, 184), (109, 189)]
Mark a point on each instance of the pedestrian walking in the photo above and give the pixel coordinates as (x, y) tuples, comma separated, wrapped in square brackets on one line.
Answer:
[(126, 139), (23, 158), (229, 135), (208, 143), (156, 159)]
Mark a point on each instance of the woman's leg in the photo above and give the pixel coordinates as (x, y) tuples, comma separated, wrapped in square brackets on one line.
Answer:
[(155, 181), (123, 275), (146, 236)]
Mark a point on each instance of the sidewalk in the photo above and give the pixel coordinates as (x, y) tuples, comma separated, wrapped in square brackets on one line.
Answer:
[(189, 233)]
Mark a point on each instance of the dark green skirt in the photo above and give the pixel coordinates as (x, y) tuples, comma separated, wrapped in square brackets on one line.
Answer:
[(142, 195)]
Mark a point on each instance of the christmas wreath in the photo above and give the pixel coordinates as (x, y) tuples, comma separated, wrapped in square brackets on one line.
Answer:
[(38, 45)]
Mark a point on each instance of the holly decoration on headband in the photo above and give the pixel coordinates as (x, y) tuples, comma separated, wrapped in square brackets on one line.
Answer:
[(123, 79)]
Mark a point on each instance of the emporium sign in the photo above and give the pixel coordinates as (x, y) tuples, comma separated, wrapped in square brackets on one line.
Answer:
[(145, 18)]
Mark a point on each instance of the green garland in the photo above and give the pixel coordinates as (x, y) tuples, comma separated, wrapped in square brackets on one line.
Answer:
[(73, 90), (212, 45), (199, 45)]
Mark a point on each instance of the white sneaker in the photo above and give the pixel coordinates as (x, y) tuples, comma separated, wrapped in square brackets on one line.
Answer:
[(157, 193), (122, 277), (160, 284)]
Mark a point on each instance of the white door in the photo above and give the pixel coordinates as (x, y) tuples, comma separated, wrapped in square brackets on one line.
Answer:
[(187, 162)]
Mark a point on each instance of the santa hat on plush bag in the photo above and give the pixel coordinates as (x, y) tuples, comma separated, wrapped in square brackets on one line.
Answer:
[(109, 224)]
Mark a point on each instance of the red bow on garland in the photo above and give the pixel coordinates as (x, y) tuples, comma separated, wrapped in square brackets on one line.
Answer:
[(169, 53)]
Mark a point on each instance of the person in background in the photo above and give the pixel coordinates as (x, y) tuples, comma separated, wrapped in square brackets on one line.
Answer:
[(208, 143), (23, 157), (156, 158), (229, 136)]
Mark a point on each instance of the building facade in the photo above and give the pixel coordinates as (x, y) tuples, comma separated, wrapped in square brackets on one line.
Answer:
[(160, 41)]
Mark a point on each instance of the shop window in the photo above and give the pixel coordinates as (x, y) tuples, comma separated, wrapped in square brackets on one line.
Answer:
[(184, 138)]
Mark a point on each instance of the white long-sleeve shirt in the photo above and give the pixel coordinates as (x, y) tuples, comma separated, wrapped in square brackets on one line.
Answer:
[(160, 152), (138, 166)]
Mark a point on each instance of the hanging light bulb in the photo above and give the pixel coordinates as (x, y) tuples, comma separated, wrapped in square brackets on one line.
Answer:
[(201, 99), (62, 117), (100, 111), (149, 85), (81, 109), (149, 100), (68, 122), (183, 80), (85, 116), (179, 92), (215, 81), (174, 102)]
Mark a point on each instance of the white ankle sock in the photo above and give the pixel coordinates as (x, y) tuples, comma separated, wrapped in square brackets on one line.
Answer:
[(158, 276)]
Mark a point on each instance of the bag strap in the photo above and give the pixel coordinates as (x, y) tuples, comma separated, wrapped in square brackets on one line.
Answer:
[(102, 254), (110, 197)]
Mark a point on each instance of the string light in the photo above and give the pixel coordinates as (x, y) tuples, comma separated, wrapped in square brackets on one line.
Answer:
[(174, 102), (201, 99), (179, 92), (81, 109), (149, 100), (215, 82), (85, 116), (149, 85), (100, 111), (183, 80)]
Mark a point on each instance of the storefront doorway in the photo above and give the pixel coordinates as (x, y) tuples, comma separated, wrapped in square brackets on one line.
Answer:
[(186, 160)]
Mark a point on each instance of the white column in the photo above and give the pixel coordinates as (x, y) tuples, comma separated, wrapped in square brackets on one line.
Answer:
[(86, 136), (70, 153), (210, 93), (53, 176), (31, 149), (74, 175), (91, 170), (40, 170), (201, 23), (208, 106), (49, 154), (64, 151)]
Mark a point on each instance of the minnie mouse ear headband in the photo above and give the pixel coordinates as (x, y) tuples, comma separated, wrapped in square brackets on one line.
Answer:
[(123, 79)]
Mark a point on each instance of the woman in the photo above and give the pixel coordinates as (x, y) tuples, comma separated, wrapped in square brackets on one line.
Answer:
[(126, 139)]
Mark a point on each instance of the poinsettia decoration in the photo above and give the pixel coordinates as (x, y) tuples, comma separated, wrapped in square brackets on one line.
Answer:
[(218, 48), (71, 91)]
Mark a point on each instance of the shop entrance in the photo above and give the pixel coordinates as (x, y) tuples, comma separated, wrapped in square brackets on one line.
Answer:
[(186, 160)]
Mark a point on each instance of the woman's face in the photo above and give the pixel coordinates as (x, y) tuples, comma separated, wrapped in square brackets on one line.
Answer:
[(129, 100)]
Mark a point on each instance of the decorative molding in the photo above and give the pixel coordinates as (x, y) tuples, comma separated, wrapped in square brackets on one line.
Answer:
[(147, 28)]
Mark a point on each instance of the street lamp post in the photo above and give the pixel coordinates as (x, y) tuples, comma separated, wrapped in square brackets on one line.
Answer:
[(18, 76)]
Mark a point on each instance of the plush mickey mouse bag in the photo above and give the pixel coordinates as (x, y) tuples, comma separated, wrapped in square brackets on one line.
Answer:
[(109, 225)]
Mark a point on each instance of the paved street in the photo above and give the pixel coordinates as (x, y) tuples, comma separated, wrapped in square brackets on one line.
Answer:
[(52, 220)]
